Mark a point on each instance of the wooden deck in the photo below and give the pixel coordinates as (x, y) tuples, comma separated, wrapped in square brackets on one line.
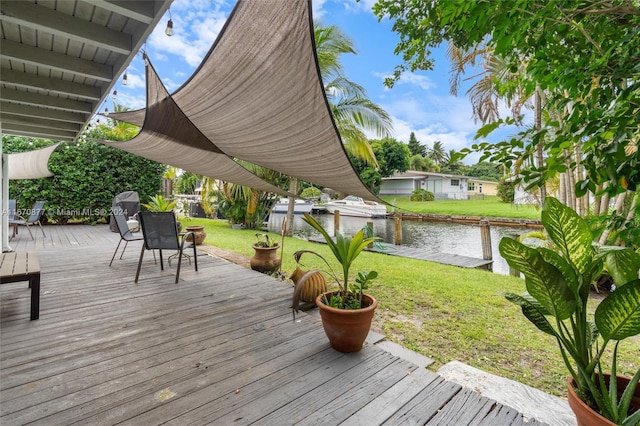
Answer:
[(220, 347)]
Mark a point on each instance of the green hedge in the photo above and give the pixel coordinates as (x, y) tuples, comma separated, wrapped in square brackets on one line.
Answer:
[(87, 175)]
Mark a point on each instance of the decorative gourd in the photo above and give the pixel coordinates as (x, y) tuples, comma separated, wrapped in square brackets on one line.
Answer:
[(313, 286)]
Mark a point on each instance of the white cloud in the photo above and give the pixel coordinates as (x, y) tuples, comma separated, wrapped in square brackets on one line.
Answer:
[(135, 81), (196, 24), (132, 101), (412, 79)]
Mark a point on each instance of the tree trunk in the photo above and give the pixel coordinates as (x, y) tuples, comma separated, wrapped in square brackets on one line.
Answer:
[(597, 200), (630, 214), (562, 189), (617, 209), (293, 188), (540, 147), (604, 204), (582, 203)]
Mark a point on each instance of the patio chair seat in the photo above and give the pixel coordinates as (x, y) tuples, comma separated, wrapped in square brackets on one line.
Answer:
[(126, 234), (35, 216), (160, 232)]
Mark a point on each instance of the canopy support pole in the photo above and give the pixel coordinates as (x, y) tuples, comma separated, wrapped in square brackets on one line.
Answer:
[(4, 201)]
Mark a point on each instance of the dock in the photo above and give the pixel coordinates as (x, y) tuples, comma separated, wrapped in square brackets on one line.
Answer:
[(421, 254)]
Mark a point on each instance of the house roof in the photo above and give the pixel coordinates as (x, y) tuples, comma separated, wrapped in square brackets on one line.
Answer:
[(60, 60), (417, 175)]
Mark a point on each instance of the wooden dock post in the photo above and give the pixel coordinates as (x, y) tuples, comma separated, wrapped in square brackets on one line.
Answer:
[(398, 231), (485, 233), (336, 222)]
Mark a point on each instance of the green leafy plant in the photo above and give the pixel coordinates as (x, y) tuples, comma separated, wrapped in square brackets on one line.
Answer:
[(422, 195), (158, 203), (87, 175), (345, 250), (265, 241), (558, 282)]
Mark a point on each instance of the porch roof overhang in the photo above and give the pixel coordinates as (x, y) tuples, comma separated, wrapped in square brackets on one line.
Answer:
[(61, 59)]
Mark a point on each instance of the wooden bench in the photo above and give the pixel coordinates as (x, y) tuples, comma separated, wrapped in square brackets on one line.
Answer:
[(16, 267)]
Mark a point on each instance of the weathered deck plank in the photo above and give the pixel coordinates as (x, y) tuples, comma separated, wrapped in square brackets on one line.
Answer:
[(219, 347)]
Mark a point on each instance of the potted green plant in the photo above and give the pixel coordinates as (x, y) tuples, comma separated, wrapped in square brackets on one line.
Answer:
[(158, 203), (265, 258), (558, 282), (346, 313)]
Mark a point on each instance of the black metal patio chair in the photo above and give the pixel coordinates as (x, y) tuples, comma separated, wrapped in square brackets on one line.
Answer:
[(35, 215), (126, 234), (160, 232)]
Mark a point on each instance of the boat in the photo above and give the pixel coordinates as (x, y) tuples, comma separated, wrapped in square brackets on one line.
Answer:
[(356, 206), (299, 207)]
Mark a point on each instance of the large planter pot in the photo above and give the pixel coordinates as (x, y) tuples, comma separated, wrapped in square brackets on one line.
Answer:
[(585, 415), (265, 259), (199, 231), (347, 329)]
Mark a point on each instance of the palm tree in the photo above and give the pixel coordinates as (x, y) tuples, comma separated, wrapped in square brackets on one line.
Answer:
[(352, 111), (437, 152), (452, 159)]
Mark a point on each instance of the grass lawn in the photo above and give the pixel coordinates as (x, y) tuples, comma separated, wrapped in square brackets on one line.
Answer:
[(489, 206), (443, 312)]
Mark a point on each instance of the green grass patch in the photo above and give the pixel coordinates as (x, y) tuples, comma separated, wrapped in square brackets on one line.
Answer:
[(489, 206), (443, 312)]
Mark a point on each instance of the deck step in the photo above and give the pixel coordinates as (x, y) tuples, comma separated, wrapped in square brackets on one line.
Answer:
[(396, 396), (532, 403)]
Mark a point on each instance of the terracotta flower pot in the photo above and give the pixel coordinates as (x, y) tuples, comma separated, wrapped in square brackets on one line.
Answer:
[(201, 234), (265, 259), (347, 329), (585, 415)]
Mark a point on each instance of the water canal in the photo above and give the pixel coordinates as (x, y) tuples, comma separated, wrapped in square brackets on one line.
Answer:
[(433, 237)]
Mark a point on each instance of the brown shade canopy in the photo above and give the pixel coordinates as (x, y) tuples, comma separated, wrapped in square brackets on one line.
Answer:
[(257, 96), (169, 137)]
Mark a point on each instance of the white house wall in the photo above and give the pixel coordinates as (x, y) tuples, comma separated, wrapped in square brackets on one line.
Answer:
[(397, 187), (441, 187)]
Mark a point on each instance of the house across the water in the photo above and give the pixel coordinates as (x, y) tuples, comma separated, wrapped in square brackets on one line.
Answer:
[(443, 186)]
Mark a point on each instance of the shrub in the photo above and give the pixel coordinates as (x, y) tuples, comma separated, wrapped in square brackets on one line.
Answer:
[(506, 191), (422, 195), (87, 175), (310, 192)]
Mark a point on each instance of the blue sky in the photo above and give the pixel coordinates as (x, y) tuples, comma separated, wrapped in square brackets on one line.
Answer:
[(418, 103)]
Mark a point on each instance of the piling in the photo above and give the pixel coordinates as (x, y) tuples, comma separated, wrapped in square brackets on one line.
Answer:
[(336, 223), (398, 231), (485, 233)]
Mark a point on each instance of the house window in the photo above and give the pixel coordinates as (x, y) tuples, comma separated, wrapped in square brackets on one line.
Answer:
[(455, 182), (471, 186)]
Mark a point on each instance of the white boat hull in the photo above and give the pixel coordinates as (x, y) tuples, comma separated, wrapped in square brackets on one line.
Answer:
[(357, 208), (298, 207)]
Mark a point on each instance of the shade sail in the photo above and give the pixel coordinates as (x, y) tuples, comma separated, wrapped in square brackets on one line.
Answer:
[(30, 164), (167, 136), (258, 96)]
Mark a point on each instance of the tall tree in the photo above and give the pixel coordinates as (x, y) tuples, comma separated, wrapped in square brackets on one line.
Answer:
[(578, 60), (597, 75), (437, 152), (415, 146), (354, 113)]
